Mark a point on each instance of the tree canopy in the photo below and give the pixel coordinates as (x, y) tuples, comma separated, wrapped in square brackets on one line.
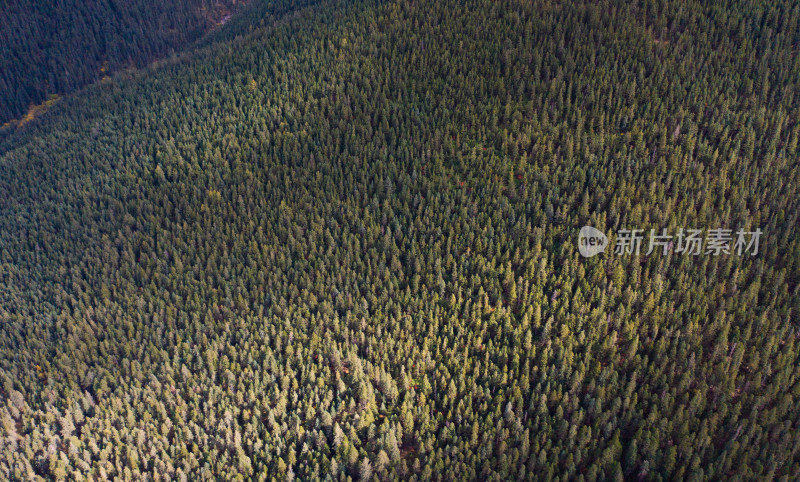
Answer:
[(341, 243)]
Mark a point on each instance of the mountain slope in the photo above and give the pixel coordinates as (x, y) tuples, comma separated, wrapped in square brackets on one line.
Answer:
[(56, 48), (344, 244)]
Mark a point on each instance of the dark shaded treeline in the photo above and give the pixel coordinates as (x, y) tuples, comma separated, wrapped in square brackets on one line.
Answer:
[(58, 47)]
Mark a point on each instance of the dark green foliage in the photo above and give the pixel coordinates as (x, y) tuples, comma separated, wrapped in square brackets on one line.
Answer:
[(342, 244), (57, 47)]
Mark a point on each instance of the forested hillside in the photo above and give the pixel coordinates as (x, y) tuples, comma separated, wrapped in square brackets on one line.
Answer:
[(57, 47), (342, 243)]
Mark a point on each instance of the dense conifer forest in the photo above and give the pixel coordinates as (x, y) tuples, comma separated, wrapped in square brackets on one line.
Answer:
[(52, 48), (337, 240)]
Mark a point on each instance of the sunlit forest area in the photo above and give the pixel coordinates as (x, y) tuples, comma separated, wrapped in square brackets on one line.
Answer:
[(337, 240)]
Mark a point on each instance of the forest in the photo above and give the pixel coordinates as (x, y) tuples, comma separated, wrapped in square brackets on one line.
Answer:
[(338, 240), (57, 47)]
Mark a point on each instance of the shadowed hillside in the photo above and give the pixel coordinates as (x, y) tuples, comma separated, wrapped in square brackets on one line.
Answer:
[(58, 47)]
